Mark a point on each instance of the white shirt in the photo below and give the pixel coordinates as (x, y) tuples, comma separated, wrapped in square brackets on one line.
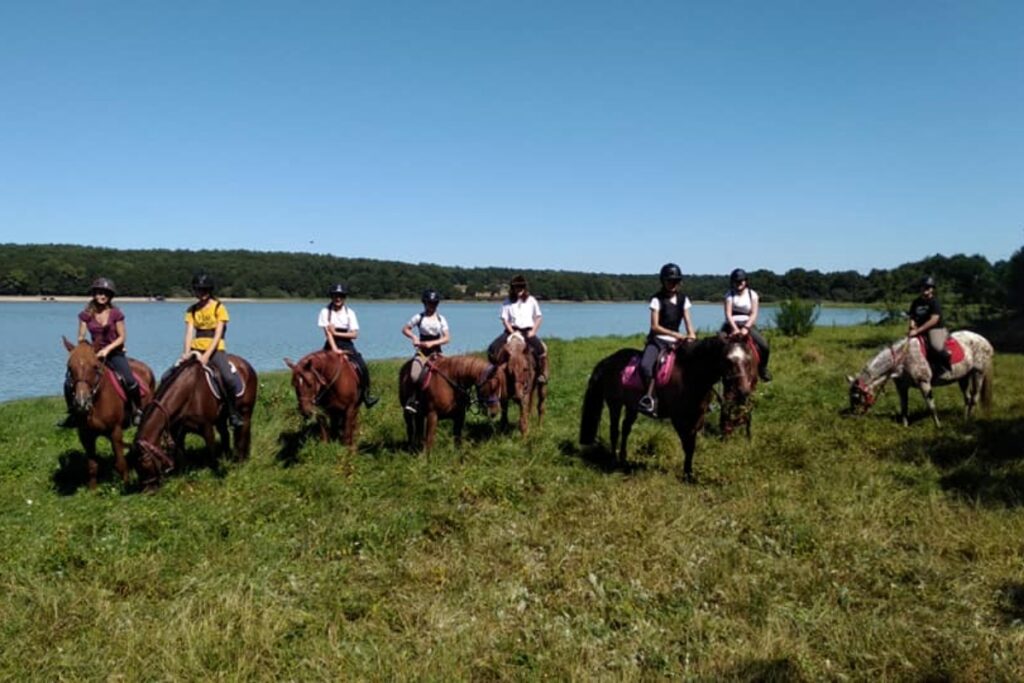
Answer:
[(344, 320), (429, 325), (674, 300), (521, 314), (742, 304)]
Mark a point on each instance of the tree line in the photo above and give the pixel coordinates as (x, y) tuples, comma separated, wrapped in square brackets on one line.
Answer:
[(60, 269)]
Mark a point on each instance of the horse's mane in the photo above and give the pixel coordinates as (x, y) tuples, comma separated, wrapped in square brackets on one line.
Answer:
[(463, 367), (168, 381)]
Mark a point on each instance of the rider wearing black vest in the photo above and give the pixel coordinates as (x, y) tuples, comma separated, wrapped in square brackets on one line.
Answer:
[(670, 309)]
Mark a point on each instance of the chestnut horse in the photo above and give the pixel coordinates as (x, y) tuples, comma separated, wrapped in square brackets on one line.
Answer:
[(684, 398), (97, 407), (521, 382), (327, 384), (185, 404), (449, 392), (738, 386)]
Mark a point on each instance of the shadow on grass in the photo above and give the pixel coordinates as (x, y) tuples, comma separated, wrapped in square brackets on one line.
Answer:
[(780, 670), (1011, 602), (981, 460), (599, 457), (72, 472)]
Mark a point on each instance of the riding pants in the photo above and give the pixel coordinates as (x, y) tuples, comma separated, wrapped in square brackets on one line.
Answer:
[(119, 363), (937, 337), (652, 350), (419, 362), (219, 360), (534, 343), (759, 341)]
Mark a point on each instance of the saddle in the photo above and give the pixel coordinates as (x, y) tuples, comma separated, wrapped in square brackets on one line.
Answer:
[(956, 352), (118, 383), (630, 376), (215, 382)]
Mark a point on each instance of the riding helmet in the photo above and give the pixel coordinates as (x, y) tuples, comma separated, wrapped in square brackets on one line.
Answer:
[(671, 272), (103, 284), (737, 276), (338, 289), (202, 281), (927, 281), (430, 296), (517, 281)]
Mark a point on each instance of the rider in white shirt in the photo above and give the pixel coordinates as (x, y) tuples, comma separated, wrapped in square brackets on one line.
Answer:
[(742, 305), (341, 328), (520, 313), (428, 332)]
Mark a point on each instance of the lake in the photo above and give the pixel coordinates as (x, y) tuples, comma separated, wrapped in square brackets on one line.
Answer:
[(264, 333)]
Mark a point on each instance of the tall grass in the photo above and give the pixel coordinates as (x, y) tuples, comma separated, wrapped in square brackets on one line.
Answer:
[(796, 318), (827, 547)]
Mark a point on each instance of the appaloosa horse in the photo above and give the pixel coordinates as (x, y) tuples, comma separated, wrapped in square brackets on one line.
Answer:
[(450, 385), (684, 398), (521, 385), (186, 403), (327, 384), (99, 406), (906, 363), (738, 386)]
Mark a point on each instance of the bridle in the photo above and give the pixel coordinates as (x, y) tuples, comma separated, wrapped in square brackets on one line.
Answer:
[(476, 404), (94, 384)]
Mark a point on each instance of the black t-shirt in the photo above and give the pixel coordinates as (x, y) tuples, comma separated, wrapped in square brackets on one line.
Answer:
[(921, 310)]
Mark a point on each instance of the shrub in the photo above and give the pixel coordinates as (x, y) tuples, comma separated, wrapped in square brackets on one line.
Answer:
[(796, 318)]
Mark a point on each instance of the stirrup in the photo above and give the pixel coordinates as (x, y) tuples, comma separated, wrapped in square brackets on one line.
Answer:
[(411, 407), (370, 401), (647, 406)]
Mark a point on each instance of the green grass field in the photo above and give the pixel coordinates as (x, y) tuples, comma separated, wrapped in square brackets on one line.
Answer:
[(827, 548)]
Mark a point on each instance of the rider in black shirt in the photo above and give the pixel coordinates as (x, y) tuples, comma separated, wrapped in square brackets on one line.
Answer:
[(926, 319)]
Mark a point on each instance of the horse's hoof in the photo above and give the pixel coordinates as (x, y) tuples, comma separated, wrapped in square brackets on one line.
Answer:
[(689, 478)]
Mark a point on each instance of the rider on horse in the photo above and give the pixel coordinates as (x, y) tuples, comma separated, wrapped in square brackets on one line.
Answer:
[(742, 305), (926, 319), (520, 313), (669, 309), (341, 328), (431, 333), (205, 328), (104, 322)]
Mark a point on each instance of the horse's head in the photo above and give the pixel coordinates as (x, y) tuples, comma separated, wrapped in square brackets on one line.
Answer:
[(490, 387), (517, 362), (308, 381), (862, 395), (85, 372), (739, 367)]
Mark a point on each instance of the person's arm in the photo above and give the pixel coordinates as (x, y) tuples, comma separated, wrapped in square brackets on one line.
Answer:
[(330, 339), (189, 330), (927, 325), (755, 308), (352, 332), (407, 331), (118, 342), (444, 339), (734, 328), (690, 334), (506, 317), (218, 334), (538, 318), (83, 331)]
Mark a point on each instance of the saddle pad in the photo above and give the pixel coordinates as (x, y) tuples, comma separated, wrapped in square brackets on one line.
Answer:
[(214, 384), (115, 380), (630, 376), (956, 352)]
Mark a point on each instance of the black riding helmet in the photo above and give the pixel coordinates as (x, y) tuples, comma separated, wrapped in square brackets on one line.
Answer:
[(202, 282), (737, 276), (430, 296), (338, 289), (927, 281), (103, 284), (670, 272), (517, 281)]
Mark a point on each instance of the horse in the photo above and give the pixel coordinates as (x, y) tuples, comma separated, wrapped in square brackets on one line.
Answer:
[(446, 391), (98, 406), (684, 398), (521, 382), (327, 383), (185, 403), (906, 363), (738, 387)]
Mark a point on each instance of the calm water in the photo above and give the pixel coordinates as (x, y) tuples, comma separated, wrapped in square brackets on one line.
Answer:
[(264, 333)]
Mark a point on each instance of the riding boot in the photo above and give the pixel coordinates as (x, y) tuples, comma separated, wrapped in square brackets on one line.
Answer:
[(764, 373), (135, 404), (230, 402), (542, 376), (945, 361), (412, 405), (648, 405), (368, 399)]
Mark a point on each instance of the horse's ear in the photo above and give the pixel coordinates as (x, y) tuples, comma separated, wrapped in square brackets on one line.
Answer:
[(67, 345), (289, 363), (850, 379)]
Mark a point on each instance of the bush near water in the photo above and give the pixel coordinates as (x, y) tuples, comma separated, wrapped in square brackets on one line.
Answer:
[(826, 548)]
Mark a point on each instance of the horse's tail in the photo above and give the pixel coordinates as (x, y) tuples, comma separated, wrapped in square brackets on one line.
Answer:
[(593, 404), (987, 388)]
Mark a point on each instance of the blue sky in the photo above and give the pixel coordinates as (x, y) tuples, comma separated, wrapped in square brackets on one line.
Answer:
[(576, 135)]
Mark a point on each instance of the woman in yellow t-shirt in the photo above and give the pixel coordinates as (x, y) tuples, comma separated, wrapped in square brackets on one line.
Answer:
[(205, 326)]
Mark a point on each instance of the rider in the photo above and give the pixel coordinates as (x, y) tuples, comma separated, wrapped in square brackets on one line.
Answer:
[(205, 328), (742, 305), (926, 319), (104, 323), (431, 333), (341, 328), (520, 313), (669, 308)]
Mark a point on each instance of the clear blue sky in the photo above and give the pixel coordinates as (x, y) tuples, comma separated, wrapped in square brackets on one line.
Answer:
[(606, 136)]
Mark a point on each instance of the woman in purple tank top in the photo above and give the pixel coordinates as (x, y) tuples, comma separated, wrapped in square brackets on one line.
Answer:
[(103, 322)]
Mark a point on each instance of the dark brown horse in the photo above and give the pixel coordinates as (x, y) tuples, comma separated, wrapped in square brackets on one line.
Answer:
[(453, 385), (684, 399), (738, 386), (185, 404), (326, 384), (98, 408), (521, 385)]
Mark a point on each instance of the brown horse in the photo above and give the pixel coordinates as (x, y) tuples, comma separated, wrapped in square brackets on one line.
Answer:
[(684, 399), (453, 385), (185, 404), (738, 386), (521, 382), (327, 384), (98, 409)]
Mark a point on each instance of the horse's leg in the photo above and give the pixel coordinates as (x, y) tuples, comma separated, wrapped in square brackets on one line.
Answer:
[(211, 445), (688, 438), (117, 445), (243, 438), (542, 395), (524, 414), (92, 465), (351, 427), (504, 415), (749, 419), (614, 415), (225, 437), (458, 420), (410, 429), (926, 390), (903, 389), (322, 423), (966, 389), (430, 430), (627, 427)]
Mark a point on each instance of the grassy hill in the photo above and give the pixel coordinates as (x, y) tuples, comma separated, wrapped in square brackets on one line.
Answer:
[(827, 547)]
